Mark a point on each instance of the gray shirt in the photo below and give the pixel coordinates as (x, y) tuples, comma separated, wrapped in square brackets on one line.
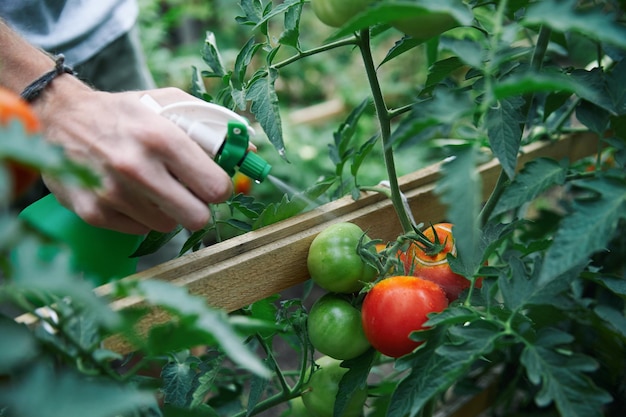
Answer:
[(77, 28)]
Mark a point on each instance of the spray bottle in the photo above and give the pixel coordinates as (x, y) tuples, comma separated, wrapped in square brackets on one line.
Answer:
[(103, 254)]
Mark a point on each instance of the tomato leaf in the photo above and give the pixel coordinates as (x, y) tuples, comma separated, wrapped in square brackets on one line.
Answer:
[(561, 376), (211, 56), (586, 229), (179, 375), (460, 189), (202, 317), (503, 122), (77, 395), (439, 71), (291, 33), (356, 377), (436, 366), (536, 177), (262, 93), (564, 16)]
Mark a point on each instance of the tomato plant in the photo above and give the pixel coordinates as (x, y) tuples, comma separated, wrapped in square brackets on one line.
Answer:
[(13, 108), (319, 394), (397, 306), (428, 259), (334, 261), (335, 329)]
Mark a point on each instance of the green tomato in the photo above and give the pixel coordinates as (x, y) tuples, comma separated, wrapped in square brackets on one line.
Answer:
[(319, 394), (337, 12), (333, 261), (425, 26), (335, 328)]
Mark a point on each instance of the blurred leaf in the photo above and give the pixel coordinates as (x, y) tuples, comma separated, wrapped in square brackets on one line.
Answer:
[(503, 123), (389, 11), (460, 189), (536, 177), (564, 16), (530, 82), (587, 228), (561, 377), (439, 71), (154, 241), (17, 345), (261, 92), (443, 109), (613, 318), (211, 56), (202, 317), (468, 51), (43, 392)]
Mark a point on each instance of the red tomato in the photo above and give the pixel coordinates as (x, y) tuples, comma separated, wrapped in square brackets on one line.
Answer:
[(434, 266), (397, 306), (12, 107)]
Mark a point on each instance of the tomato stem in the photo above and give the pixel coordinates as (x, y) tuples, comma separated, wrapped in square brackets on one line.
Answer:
[(385, 129)]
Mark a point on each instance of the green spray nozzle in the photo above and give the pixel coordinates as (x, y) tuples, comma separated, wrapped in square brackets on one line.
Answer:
[(235, 153)]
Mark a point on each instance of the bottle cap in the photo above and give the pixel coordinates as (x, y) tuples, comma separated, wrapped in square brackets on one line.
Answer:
[(255, 167)]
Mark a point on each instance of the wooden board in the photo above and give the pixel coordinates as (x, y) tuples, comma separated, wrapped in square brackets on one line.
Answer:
[(244, 269)]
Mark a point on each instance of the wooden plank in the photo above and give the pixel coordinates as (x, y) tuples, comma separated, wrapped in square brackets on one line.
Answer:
[(247, 268)]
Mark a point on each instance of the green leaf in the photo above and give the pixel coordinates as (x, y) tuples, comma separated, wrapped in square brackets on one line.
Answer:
[(291, 32), (288, 207), (206, 381), (253, 12), (550, 82), (439, 71), (460, 189), (587, 228), (17, 345), (563, 16), (44, 392), (244, 57), (262, 93), (536, 177), (355, 378), (154, 241), (561, 376), (405, 44), (517, 288), (470, 52), (613, 318), (437, 365), (201, 317), (444, 108), (211, 56), (503, 122), (178, 380), (386, 12)]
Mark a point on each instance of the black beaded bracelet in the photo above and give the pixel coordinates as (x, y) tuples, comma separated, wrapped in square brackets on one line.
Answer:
[(35, 88)]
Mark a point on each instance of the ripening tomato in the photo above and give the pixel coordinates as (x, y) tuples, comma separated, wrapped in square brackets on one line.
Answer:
[(333, 260), (242, 184), (394, 308), (334, 327), (12, 107), (434, 267), (319, 394)]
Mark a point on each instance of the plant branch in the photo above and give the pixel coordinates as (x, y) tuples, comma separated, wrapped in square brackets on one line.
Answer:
[(385, 130), (326, 47)]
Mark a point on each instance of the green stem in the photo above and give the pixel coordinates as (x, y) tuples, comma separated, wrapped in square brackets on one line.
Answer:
[(326, 47), (491, 202), (385, 130)]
